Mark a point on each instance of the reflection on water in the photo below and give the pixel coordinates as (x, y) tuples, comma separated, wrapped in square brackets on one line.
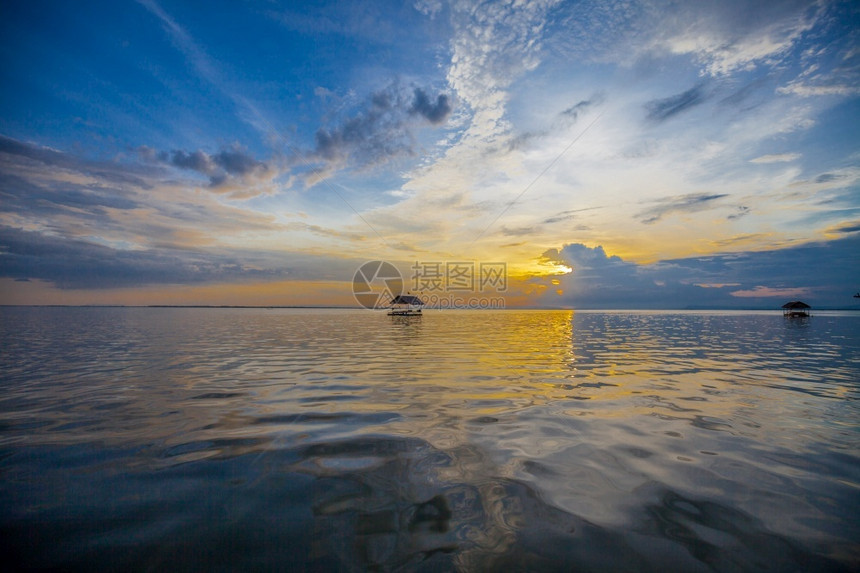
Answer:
[(349, 440)]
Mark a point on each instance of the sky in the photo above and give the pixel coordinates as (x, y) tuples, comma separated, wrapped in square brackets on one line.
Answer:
[(632, 154)]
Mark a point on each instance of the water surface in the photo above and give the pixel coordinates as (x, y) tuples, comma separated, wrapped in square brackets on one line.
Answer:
[(255, 439)]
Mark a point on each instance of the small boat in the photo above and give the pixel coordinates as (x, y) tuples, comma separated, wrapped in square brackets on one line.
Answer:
[(405, 305), (796, 309)]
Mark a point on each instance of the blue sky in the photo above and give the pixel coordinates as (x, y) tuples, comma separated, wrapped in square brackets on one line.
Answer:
[(613, 154)]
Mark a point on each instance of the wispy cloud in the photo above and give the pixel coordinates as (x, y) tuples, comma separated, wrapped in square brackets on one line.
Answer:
[(689, 203), (723, 37), (562, 121), (731, 36), (46, 156), (119, 203), (740, 211), (665, 108), (376, 23), (772, 292), (207, 69), (568, 215), (777, 158)]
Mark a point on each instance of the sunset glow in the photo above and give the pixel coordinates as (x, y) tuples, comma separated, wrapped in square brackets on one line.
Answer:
[(643, 154)]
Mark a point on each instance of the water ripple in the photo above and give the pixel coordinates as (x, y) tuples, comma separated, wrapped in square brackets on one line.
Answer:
[(344, 440)]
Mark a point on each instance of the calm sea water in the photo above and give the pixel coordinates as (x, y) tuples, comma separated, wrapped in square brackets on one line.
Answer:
[(337, 440)]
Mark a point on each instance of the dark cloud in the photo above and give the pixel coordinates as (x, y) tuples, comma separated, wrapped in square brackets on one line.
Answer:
[(598, 280), (663, 109), (47, 199), (108, 171), (223, 168), (848, 228), (679, 204), (366, 139), (558, 218), (76, 264), (717, 281), (827, 178), (41, 154), (237, 162), (750, 95), (573, 112), (518, 231), (567, 215), (196, 161), (435, 113), (742, 211), (383, 130)]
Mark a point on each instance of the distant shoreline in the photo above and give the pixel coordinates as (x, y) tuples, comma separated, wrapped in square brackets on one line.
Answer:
[(274, 307)]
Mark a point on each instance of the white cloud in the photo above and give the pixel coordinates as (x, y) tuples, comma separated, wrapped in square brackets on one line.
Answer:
[(805, 90), (493, 45)]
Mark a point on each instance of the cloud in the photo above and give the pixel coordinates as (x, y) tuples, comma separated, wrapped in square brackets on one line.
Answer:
[(80, 224), (236, 162), (25, 197), (845, 228), (805, 90), (717, 285), (231, 170), (690, 203), (665, 108), (742, 211), (777, 158), (74, 263), (429, 7), (382, 131), (562, 121), (815, 271), (39, 153), (569, 215), (734, 35), (722, 36), (124, 204), (572, 113), (196, 161), (209, 69), (597, 279), (771, 292), (435, 113), (45, 156), (367, 22), (828, 177), (492, 45)]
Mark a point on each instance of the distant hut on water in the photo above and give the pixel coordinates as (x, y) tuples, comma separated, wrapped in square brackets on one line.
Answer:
[(795, 309), (405, 305)]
